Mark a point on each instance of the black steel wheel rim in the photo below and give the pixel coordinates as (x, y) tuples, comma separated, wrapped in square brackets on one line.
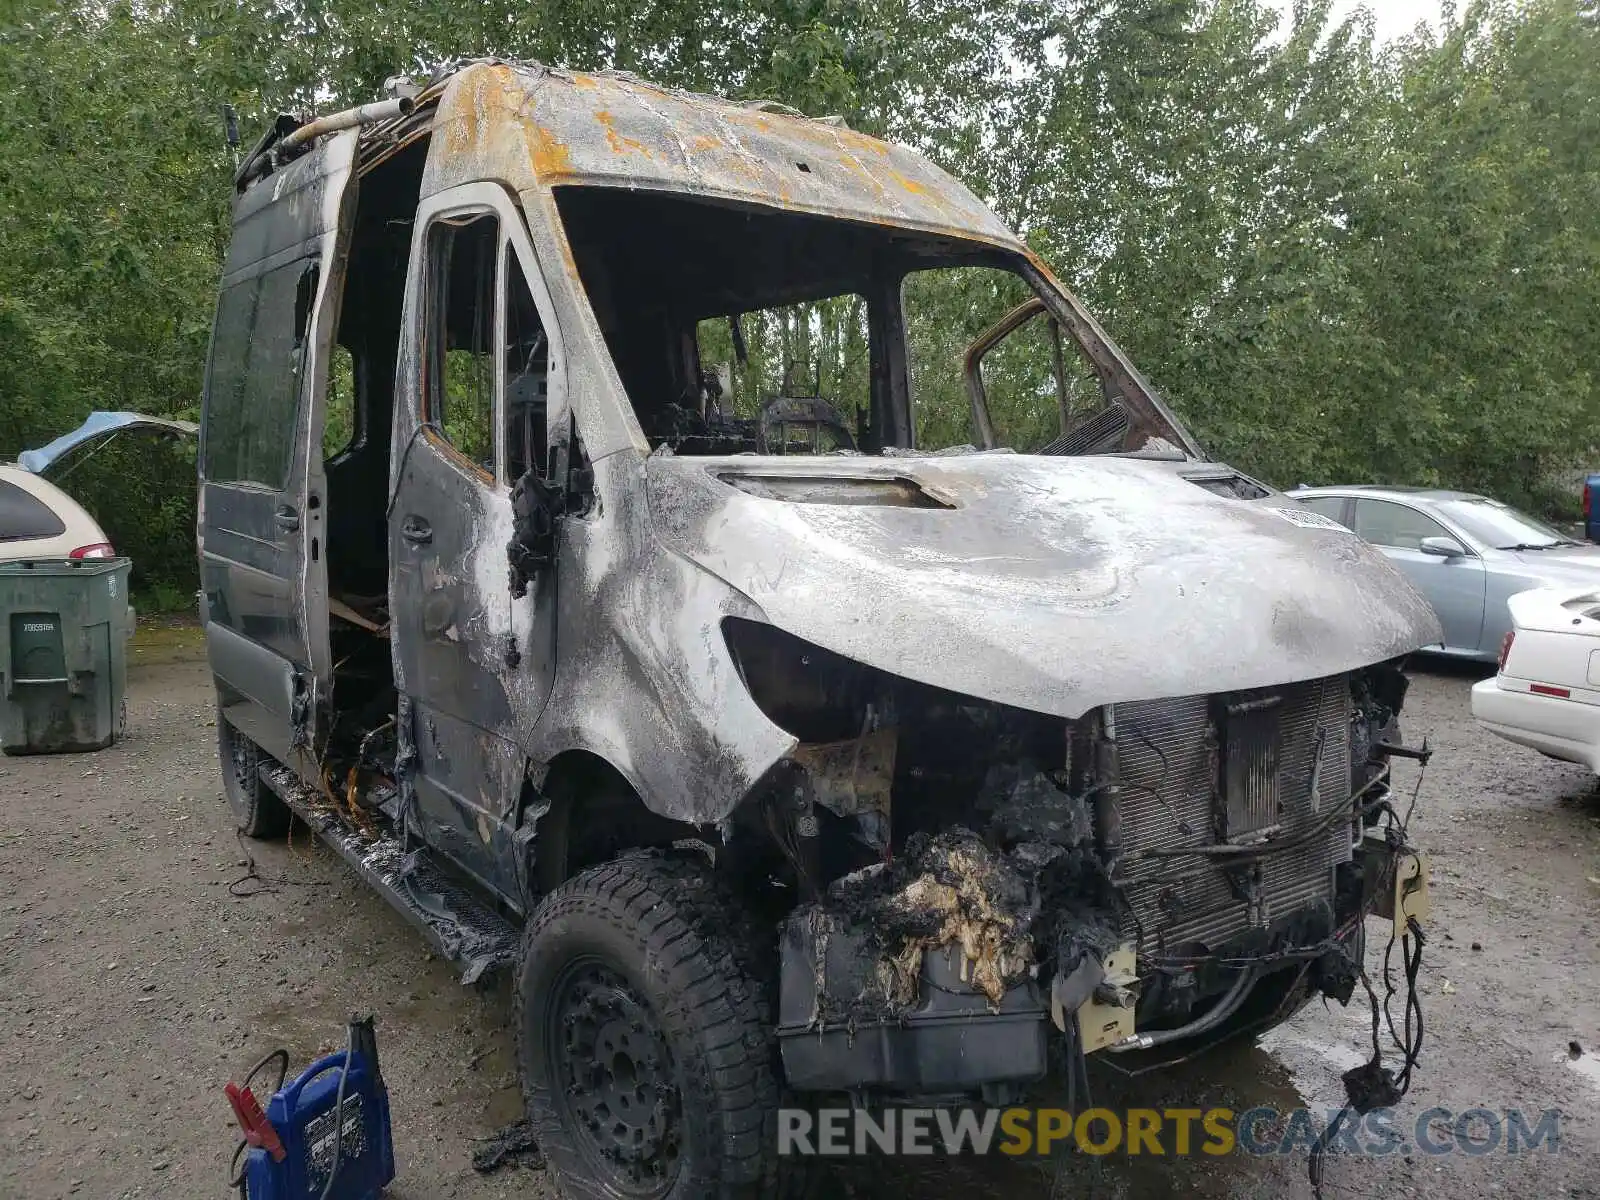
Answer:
[(615, 1080)]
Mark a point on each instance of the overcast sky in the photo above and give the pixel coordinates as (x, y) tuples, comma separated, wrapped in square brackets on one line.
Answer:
[(1392, 17)]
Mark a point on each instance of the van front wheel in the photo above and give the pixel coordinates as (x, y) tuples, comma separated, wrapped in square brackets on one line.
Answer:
[(256, 808), (646, 1058)]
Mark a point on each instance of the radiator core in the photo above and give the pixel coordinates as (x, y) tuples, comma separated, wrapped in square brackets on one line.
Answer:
[(1199, 770)]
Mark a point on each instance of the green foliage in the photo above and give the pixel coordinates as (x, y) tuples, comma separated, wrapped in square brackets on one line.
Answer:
[(139, 488), (339, 416), (947, 309), (1339, 261), (163, 598), (468, 417)]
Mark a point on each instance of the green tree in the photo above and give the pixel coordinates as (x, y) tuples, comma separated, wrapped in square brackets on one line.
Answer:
[(1338, 260)]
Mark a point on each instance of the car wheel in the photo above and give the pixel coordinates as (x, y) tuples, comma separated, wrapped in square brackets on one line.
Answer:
[(256, 808), (646, 1056)]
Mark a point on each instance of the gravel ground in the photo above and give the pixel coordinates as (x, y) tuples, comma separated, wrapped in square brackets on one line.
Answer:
[(133, 985)]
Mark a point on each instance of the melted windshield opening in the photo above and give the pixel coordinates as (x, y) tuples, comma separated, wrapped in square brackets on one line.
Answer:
[(738, 329)]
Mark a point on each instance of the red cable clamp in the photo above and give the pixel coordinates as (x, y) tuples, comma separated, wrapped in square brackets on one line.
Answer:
[(258, 1131)]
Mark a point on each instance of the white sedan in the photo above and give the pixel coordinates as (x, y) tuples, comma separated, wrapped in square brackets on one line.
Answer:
[(39, 520), (1547, 692)]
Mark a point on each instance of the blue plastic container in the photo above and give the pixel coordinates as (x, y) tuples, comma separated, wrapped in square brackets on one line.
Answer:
[(302, 1113)]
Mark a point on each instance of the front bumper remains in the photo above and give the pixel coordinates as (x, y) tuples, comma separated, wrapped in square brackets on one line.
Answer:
[(948, 1041), (856, 1014)]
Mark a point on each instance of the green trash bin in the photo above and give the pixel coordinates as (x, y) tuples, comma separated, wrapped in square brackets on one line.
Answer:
[(64, 629)]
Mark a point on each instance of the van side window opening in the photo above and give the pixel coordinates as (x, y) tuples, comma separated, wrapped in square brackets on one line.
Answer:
[(458, 395), (256, 369), (236, 311), (527, 379)]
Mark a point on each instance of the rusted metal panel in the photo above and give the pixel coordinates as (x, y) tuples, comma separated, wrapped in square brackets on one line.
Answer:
[(532, 126)]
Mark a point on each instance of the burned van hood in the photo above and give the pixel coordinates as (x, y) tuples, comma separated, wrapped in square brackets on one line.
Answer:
[(1050, 584)]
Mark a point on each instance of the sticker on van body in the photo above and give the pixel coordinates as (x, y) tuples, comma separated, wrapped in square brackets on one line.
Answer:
[(1306, 518)]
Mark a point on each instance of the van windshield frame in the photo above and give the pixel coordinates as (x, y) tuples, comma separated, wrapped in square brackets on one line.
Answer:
[(655, 265)]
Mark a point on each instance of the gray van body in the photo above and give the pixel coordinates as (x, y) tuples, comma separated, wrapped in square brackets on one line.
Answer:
[(563, 611)]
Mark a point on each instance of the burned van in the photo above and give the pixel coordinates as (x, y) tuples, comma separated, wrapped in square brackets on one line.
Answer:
[(698, 558)]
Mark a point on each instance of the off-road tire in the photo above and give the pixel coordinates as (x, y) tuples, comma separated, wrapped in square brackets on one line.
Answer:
[(662, 928), (257, 809)]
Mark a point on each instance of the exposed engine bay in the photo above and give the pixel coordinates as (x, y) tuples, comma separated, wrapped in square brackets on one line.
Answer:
[(1152, 874)]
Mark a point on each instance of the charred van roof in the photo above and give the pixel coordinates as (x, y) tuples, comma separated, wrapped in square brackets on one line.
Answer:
[(548, 128)]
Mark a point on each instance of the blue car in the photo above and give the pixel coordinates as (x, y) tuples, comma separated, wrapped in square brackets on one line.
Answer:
[(1467, 554)]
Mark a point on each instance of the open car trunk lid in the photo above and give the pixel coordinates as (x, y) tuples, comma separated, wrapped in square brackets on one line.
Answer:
[(100, 427)]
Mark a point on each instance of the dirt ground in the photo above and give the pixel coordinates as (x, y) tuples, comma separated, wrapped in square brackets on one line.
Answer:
[(133, 985)]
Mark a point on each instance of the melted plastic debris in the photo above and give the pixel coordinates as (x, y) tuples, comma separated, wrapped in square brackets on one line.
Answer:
[(1032, 894), (946, 891), (1030, 805), (515, 1145)]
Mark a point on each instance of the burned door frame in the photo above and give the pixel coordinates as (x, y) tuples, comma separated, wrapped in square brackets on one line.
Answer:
[(262, 574), (474, 666)]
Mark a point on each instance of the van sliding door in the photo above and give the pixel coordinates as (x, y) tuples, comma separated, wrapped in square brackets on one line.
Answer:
[(261, 485)]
